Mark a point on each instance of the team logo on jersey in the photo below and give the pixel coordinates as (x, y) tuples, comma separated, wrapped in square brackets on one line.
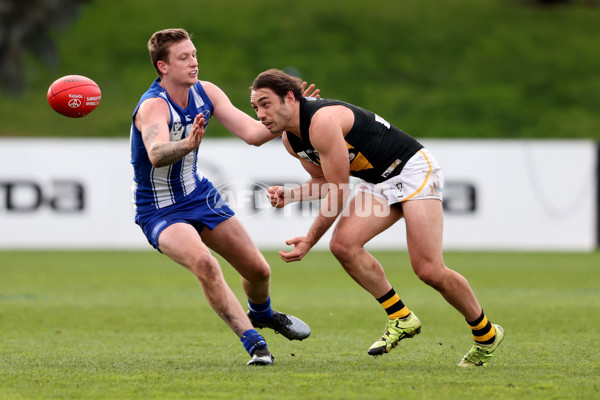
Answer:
[(205, 114), (313, 157), (177, 130), (358, 162)]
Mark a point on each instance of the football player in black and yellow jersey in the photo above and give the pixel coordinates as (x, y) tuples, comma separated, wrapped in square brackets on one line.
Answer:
[(334, 140)]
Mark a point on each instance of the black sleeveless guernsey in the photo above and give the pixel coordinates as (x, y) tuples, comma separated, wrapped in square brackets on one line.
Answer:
[(377, 150)]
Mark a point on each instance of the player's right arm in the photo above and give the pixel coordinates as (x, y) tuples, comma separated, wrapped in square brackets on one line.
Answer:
[(152, 119)]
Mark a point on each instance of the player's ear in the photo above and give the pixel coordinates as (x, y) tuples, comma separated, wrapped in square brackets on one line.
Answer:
[(290, 98), (162, 66)]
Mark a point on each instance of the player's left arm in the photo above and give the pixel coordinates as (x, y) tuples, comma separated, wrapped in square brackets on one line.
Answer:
[(327, 137), (238, 122)]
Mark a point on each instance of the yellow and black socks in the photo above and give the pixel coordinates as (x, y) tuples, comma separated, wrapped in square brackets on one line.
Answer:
[(483, 330), (392, 304)]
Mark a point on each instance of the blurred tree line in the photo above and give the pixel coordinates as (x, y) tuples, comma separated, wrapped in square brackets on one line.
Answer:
[(25, 27), (466, 68)]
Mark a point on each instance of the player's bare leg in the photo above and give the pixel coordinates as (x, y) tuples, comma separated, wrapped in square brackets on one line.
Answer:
[(182, 244), (231, 240), (424, 237), (424, 225), (366, 217)]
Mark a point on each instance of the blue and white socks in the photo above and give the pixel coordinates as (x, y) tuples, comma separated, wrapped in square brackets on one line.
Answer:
[(252, 340), (261, 312)]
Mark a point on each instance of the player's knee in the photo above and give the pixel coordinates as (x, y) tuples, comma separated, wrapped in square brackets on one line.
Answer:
[(205, 267), (429, 273), (259, 272), (341, 249)]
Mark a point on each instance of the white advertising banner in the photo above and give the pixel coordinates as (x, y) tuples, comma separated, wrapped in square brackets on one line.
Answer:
[(499, 195)]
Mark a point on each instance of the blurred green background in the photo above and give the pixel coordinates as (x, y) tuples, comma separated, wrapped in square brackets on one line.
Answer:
[(455, 69)]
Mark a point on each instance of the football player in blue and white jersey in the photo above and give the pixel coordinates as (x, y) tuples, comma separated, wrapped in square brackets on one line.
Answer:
[(177, 207)]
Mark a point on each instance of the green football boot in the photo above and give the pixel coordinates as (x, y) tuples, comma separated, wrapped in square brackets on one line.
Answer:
[(480, 354), (395, 331)]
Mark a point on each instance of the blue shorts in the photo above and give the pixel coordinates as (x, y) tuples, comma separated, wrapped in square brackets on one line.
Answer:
[(203, 207)]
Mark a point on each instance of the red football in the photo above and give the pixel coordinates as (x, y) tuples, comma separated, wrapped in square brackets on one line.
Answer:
[(74, 96)]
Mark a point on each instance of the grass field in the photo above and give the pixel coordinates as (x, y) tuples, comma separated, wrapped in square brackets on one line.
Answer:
[(133, 325)]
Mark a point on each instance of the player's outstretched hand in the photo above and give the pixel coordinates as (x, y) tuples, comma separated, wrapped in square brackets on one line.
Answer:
[(197, 132), (311, 91), (301, 246)]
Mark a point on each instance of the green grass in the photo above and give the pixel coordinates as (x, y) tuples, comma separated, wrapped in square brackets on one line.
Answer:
[(133, 325)]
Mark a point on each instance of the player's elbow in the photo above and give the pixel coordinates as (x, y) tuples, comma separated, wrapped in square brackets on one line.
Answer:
[(157, 161), (255, 141), (159, 164)]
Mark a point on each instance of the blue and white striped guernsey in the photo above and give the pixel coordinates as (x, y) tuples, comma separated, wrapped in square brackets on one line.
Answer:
[(155, 188)]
